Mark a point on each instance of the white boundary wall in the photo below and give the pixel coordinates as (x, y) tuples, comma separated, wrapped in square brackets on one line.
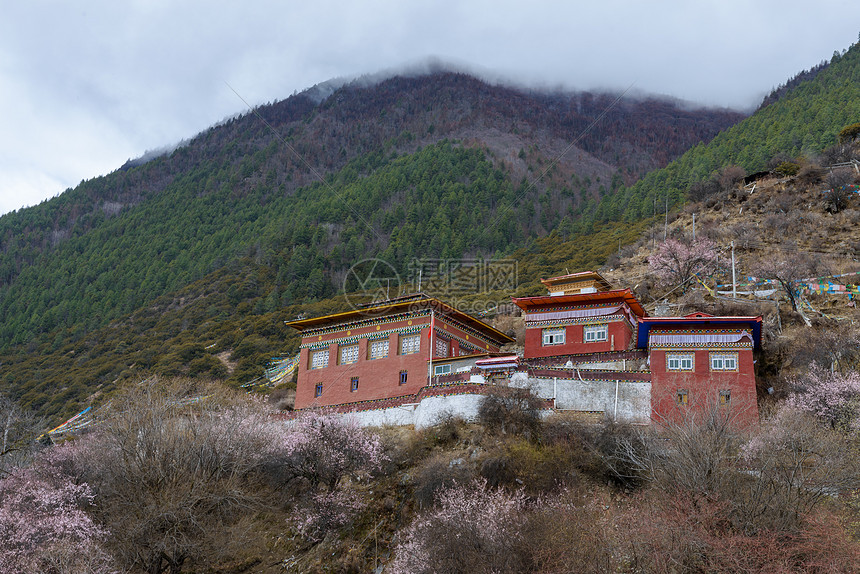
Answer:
[(623, 401), (424, 414)]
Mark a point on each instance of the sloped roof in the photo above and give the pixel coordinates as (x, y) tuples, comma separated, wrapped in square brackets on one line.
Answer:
[(575, 277), (399, 305), (619, 295)]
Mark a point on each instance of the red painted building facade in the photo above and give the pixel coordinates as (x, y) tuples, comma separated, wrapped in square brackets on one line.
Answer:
[(581, 315), (700, 362), (383, 351), (579, 324), (697, 362)]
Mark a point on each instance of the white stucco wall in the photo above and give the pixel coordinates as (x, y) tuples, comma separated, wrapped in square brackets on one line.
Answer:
[(396, 416), (432, 409), (633, 405), (424, 414)]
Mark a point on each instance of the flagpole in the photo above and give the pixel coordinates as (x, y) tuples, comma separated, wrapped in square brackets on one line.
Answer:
[(430, 337)]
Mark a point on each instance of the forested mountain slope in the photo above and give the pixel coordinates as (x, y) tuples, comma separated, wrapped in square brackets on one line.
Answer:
[(188, 263), (804, 120), (413, 166)]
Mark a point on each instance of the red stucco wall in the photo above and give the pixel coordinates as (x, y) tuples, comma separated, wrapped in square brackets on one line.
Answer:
[(703, 386), (377, 378), (574, 344)]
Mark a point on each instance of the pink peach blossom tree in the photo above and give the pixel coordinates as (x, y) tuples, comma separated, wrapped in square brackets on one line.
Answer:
[(675, 263), (44, 526), (831, 396)]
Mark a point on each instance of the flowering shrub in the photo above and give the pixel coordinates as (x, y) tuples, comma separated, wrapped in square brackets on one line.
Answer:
[(177, 480), (323, 448), (327, 511), (44, 528), (472, 529), (676, 262), (831, 396)]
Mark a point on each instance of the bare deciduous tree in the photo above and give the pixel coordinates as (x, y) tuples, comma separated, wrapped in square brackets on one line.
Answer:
[(768, 481), (838, 195), (787, 267), (796, 463), (511, 410), (18, 432), (176, 478), (693, 455)]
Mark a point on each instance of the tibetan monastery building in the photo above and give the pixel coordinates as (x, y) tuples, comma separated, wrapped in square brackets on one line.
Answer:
[(383, 351), (589, 349)]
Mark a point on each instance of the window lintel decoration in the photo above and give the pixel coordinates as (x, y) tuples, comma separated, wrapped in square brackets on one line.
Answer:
[(680, 361), (553, 336), (594, 333)]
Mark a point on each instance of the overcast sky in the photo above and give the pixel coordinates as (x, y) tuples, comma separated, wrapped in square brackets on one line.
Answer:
[(86, 85)]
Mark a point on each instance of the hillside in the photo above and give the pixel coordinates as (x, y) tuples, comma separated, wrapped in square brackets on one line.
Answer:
[(412, 167), (802, 119), (188, 264), (142, 293), (510, 491)]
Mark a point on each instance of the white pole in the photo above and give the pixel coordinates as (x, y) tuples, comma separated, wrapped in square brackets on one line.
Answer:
[(615, 415), (734, 279)]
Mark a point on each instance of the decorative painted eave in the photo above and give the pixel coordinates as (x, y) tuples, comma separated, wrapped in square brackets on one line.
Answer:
[(700, 322), (413, 303), (531, 304), (503, 362), (555, 283)]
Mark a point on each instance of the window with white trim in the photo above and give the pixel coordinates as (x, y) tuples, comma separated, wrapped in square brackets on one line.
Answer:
[(319, 359), (724, 361), (554, 336), (379, 349), (410, 344), (441, 369), (348, 354), (679, 361), (595, 333)]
